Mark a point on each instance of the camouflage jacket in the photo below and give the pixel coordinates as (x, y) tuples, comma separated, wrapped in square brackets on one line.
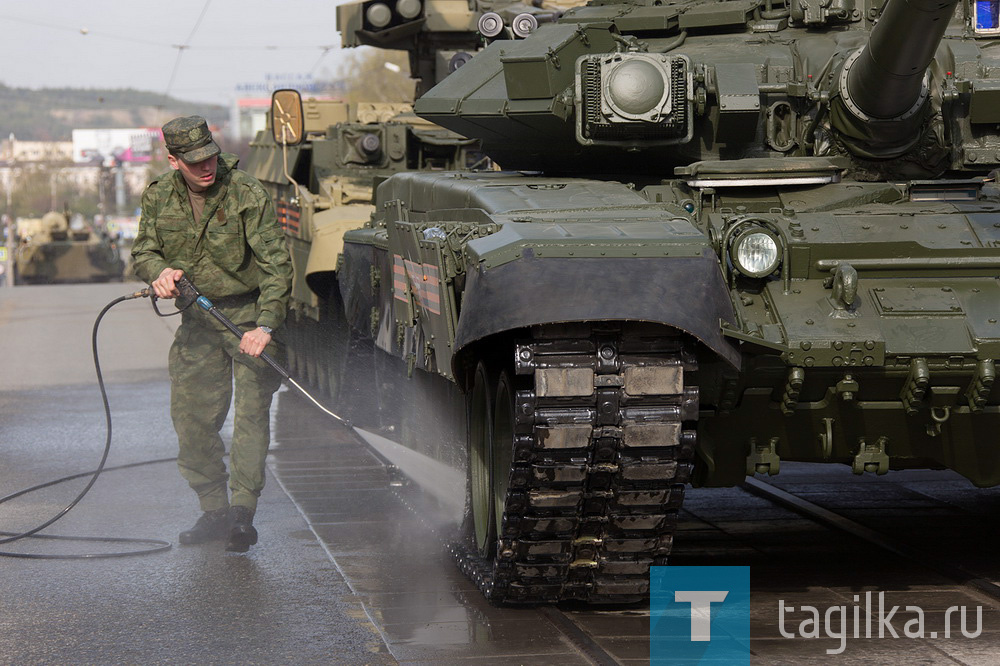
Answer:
[(235, 255)]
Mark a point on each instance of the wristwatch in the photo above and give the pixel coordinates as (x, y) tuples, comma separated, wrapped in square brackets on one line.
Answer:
[(266, 329)]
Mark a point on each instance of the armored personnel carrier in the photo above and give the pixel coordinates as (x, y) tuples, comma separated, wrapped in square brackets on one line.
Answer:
[(727, 234), (49, 250)]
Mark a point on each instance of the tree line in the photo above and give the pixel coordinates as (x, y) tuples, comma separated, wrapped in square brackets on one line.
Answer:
[(51, 114)]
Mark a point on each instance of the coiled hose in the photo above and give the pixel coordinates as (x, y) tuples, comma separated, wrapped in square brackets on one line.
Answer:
[(152, 545)]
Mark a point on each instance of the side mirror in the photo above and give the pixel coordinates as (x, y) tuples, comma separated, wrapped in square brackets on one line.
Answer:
[(287, 124)]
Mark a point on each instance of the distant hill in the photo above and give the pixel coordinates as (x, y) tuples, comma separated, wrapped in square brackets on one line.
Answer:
[(51, 114)]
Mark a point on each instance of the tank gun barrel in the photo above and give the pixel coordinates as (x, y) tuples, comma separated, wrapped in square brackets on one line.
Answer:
[(882, 90), (886, 80)]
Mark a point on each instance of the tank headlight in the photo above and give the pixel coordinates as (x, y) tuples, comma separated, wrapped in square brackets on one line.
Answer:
[(523, 25), (378, 15), (635, 87), (409, 9), (490, 25), (756, 253)]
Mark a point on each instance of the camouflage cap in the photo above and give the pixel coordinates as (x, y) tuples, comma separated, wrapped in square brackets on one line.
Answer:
[(190, 139)]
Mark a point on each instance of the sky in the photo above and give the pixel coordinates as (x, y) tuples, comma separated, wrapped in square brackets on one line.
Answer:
[(231, 48)]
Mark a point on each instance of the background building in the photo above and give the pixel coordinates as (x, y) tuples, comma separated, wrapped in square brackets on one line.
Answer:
[(13, 150), (101, 146)]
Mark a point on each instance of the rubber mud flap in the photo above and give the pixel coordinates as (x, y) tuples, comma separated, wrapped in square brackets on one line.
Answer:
[(687, 293)]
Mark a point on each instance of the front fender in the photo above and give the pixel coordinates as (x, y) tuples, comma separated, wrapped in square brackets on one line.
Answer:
[(328, 243), (687, 293)]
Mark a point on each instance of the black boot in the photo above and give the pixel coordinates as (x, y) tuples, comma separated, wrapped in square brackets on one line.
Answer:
[(242, 534), (212, 525)]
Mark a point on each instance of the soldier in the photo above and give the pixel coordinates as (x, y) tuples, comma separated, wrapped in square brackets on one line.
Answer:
[(215, 224)]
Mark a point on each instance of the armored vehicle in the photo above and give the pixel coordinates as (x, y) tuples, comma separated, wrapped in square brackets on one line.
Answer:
[(51, 250), (324, 187), (727, 234)]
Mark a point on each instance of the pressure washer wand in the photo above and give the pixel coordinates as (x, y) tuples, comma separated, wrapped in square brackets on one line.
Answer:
[(209, 307)]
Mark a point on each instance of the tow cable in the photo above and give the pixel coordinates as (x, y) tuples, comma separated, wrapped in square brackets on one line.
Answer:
[(189, 295)]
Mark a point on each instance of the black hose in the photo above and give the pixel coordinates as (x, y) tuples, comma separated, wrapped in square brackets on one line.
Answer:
[(156, 544)]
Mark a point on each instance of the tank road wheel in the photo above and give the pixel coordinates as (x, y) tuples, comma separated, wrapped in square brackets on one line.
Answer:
[(480, 401), (319, 357), (287, 340), (293, 344), (336, 340), (302, 349), (322, 359), (311, 353), (503, 443)]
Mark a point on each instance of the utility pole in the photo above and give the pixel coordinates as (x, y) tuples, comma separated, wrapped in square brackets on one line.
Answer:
[(119, 171), (10, 244), (7, 219)]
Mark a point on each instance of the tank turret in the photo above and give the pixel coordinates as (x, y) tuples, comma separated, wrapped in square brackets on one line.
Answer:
[(45, 229), (606, 83)]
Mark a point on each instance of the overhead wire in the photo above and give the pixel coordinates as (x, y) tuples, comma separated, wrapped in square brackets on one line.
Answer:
[(322, 56), (87, 32), (186, 45), (180, 52), (216, 45)]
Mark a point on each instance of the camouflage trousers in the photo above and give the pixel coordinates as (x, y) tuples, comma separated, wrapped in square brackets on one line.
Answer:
[(205, 365)]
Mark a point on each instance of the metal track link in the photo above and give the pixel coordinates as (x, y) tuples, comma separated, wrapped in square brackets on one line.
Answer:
[(604, 433)]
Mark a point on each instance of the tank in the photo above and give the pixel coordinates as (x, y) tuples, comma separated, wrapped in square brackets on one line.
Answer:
[(51, 250), (726, 234)]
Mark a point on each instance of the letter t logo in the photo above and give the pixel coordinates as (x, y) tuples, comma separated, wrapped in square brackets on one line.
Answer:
[(701, 611)]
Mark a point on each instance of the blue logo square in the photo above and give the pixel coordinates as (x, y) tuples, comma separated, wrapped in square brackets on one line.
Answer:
[(699, 615)]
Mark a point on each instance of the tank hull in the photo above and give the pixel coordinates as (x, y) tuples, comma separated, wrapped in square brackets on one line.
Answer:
[(499, 341)]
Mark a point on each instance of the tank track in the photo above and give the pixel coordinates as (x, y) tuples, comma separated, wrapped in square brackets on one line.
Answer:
[(597, 480)]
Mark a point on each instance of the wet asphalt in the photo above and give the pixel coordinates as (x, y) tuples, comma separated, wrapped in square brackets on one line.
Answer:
[(283, 602), (349, 569)]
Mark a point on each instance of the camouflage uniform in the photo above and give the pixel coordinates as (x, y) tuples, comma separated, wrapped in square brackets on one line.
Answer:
[(235, 255)]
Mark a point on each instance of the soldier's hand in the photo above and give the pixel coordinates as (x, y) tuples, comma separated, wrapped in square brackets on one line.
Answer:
[(253, 342), (165, 286)]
